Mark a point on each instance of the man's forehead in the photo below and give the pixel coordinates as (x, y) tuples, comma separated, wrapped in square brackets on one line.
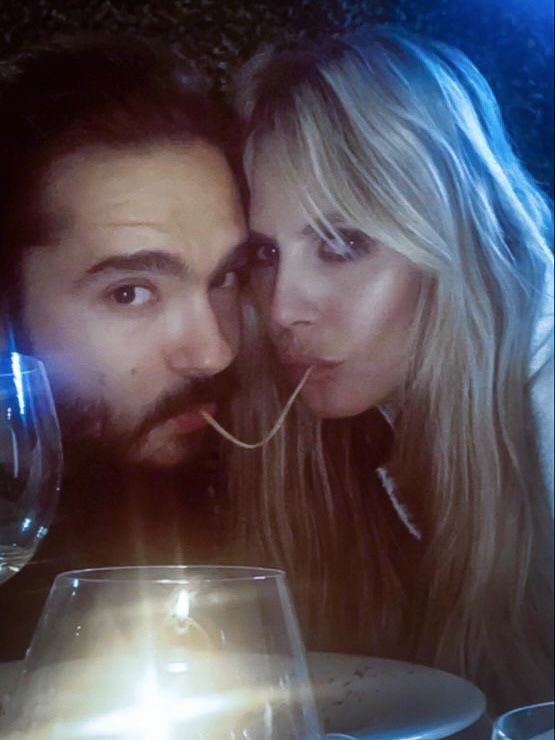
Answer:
[(179, 197), (115, 181)]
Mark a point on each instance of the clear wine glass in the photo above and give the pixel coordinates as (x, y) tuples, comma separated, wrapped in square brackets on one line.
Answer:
[(192, 652), (30, 460), (535, 722)]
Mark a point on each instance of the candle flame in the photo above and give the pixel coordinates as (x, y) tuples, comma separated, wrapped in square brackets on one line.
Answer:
[(182, 606)]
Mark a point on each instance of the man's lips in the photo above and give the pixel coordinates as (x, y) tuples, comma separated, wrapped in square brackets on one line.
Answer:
[(192, 419)]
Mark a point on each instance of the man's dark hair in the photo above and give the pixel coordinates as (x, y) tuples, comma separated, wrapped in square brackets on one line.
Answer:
[(89, 92)]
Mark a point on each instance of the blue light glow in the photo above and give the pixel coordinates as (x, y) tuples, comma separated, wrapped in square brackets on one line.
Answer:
[(11, 338), (531, 14), (18, 381)]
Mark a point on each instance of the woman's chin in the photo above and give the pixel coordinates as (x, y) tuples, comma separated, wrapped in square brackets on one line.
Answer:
[(325, 405)]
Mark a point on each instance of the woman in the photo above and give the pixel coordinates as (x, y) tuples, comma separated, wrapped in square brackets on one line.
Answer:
[(400, 250)]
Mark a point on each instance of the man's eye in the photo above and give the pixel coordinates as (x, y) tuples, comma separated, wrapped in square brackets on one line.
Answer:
[(345, 246), (132, 295), (263, 255)]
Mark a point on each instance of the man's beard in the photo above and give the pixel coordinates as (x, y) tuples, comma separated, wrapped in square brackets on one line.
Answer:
[(90, 428), (91, 431)]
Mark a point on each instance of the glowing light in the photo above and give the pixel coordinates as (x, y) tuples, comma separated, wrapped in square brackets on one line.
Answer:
[(11, 337), (178, 667), (151, 717), (158, 714), (26, 523), (126, 698), (18, 381), (183, 623), (182, 606)]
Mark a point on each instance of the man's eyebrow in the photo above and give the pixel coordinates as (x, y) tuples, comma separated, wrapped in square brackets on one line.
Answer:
[(136, 225), (163, 263)]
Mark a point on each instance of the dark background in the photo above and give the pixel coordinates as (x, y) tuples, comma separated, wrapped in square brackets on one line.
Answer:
[(511, 41)]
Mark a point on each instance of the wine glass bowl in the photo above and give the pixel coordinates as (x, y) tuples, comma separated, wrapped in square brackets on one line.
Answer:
[(196, 652), (30, 460), (534, 722)]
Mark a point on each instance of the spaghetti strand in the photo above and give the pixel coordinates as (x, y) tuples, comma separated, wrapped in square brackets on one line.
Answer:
[(253, 445)]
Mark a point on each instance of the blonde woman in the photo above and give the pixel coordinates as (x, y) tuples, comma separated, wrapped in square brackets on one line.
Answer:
[(400, 250)]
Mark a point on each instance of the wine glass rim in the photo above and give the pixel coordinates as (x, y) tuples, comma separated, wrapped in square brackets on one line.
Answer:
[(167, 573), (525, 708), (26, 364)]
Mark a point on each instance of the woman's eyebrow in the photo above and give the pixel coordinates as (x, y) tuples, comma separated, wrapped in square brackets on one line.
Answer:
[(322, 224), (257, 236)]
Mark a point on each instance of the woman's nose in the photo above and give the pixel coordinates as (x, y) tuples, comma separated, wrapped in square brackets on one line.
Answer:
[(198, 345), (293, 300)]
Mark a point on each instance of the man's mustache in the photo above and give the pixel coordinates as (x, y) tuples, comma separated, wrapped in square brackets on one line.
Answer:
[(214, 389)]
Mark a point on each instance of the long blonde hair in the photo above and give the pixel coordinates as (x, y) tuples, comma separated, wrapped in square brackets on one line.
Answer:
[(405, 137)]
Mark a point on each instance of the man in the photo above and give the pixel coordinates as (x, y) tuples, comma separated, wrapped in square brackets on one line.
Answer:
[(121, 232)]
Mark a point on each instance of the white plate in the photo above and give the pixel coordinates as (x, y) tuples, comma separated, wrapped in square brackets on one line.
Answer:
[(374, 698)]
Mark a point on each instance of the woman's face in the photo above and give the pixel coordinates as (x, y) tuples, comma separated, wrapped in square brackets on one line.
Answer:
[(344, 306)]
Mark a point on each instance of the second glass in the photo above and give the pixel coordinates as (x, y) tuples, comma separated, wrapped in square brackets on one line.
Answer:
[(199, 652), (535, 722), (30, 460)]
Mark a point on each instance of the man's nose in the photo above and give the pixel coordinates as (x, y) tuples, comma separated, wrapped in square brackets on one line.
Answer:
[(293, 300), (197, 345)]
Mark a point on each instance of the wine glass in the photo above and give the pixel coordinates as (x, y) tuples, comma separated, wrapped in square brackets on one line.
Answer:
[(535, 722), (30, 460), (195, 652)]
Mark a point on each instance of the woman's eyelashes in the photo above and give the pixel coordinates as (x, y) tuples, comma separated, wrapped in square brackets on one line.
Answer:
[(263, 254), (344, 246)]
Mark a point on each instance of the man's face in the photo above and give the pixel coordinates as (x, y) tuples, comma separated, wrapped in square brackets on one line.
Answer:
[(133, 307)]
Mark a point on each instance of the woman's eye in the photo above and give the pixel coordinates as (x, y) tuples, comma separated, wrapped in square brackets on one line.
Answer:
[(263, 255), (132, 295), (345, 246)]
